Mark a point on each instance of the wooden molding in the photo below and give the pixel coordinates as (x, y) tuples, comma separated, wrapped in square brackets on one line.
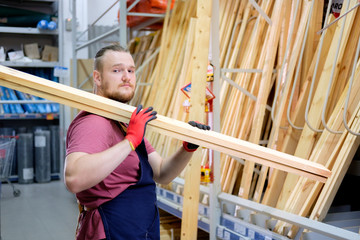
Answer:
[(118, 111)]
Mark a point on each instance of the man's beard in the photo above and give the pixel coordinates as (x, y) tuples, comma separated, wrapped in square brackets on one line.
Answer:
[(116, 95), (121, 98)]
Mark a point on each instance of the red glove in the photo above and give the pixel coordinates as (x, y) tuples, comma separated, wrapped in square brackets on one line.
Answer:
[(137, 125), (190, 147)]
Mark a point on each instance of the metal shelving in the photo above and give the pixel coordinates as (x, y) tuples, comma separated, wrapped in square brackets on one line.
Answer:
[(243, 219), (13, 37), (28, 116), (28, 30), (39, 64), (19, 34)]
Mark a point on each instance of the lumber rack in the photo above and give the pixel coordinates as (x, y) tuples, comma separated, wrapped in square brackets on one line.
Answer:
[(223, 72), (252, 221), (353, 67)]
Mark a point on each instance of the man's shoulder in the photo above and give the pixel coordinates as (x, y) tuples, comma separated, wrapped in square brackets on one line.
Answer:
[(89, 119), (83, 115)]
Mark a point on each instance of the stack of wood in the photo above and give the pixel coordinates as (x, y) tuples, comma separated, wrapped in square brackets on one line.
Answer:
[(171, 72), (290, 95), (306, 63), (170, 227), (145, 51)]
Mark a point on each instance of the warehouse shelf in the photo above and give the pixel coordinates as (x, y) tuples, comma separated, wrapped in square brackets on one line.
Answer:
[(53, 177), (172, 203), (243, 219), (176, 210), (16, 37), (27, 116), (37, 64), (28, 30)]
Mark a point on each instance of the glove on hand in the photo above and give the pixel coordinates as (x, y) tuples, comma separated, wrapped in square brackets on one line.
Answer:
[(137, 125), (190, 147)]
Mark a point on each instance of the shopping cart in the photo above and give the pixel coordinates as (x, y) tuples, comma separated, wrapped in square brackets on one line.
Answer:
[(7, 151)]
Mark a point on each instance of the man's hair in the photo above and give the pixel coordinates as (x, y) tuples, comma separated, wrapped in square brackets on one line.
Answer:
[(98, 64)]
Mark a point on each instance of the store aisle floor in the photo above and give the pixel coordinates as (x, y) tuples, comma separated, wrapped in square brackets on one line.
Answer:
[(43, 211)]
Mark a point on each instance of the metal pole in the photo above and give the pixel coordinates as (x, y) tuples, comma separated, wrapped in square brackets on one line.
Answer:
[(74, 51), (122, 24), (215, 187)]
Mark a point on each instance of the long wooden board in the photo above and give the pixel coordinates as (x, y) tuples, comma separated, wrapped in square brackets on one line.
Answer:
[(201, 37), (115, 110)]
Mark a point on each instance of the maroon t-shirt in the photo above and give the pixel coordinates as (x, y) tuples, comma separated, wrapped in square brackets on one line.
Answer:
[(91, 133)]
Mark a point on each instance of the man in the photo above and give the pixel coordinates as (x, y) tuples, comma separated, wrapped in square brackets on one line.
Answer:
[(111, 167)]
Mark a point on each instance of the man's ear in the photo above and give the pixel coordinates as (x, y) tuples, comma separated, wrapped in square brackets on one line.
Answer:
[(97, 80), (96, 77)]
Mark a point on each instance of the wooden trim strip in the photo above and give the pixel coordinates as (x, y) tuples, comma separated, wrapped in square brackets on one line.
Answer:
[(106, 107)]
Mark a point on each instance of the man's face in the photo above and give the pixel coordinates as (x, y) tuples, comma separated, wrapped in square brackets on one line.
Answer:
[(117, 79)]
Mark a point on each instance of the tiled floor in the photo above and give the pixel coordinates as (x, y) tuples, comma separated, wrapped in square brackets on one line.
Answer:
[(43, 211)]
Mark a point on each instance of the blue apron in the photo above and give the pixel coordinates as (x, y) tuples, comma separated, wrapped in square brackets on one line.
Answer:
[(134, 214)]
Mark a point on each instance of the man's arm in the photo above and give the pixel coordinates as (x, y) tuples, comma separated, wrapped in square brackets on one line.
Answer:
[(83, 170), (165, 170)]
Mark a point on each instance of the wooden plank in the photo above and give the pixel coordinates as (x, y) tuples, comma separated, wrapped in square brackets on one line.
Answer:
[(176, 112), (238, 99), (236, 104), (163, 46), (286, 81), (328, 140), (308, 136), (234, 10), (262, 96), (342, 155), (183, 131), (197, 112), (345, 156), (312, 38), (276, 140), (144, 76), (306, 191), (167, 72), (233, 105), (292, 137)]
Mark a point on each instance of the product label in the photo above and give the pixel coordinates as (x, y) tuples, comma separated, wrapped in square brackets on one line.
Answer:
[(336, 7), (40, 141), (28, 173)]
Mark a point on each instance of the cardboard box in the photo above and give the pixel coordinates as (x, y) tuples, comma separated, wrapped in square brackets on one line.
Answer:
[(32, 50), (50, 54), (16, 55)]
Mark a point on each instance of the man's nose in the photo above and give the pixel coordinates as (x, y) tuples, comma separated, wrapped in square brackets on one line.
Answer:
[(126, 75)]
